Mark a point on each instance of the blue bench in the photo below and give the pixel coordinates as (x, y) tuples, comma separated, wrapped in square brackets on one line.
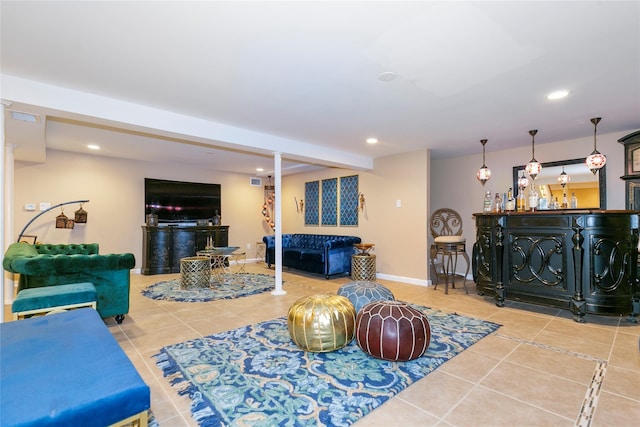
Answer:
[(50, 299), (67, 369)]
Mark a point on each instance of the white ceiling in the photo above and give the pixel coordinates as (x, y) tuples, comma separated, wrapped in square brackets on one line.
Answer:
[(305, 75)]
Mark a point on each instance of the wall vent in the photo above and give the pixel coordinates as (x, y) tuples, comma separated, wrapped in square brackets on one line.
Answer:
[(256, 182)]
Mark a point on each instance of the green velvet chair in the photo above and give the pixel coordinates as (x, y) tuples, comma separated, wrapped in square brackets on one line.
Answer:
[(50, 265)]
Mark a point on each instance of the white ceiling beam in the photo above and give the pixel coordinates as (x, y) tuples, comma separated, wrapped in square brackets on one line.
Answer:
[(101, 110)]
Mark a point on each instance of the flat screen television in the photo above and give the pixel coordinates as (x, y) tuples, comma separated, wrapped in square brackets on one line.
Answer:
[(180, 201)]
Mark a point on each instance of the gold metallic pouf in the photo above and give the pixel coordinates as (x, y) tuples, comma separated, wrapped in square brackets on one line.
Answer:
[(321, 323), (363, 267), (195, 272)]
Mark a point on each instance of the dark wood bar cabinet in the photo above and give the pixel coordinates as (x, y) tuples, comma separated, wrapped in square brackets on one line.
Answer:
[(162, 247), (581, 260)]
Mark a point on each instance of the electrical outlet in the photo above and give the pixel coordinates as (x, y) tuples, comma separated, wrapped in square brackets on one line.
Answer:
[(398, 203), (45, 205), (30, 207), (248, 245)]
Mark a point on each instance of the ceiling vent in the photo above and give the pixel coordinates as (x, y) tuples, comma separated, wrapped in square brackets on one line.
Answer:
[(24, 117)]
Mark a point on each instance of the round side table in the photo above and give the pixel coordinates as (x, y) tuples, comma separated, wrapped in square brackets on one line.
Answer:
[(195, 272), (363, 267), (363, 263)]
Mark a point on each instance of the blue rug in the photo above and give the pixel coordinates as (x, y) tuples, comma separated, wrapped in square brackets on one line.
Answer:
[(235, 286), (255, 375)]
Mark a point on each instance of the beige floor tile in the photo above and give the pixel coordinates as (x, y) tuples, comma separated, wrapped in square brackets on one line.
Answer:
[(626, 351), (554, 362), (484, 407), (623, 382), (396, 413), (588, 331), (614, 410), (517, 323), (576, 343), (472, 366), (437, 393), (495, 345), (555, 394)]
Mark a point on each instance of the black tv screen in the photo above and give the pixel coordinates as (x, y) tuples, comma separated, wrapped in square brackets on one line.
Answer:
[(179, 201)]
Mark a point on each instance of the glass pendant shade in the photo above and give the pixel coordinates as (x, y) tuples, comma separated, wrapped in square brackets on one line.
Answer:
[(523, 181), (484, 173), (564, 178), (533, 167), (596, 160)]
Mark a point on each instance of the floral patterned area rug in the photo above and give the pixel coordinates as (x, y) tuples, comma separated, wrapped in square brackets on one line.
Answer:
[(255, 375), (234, 286)]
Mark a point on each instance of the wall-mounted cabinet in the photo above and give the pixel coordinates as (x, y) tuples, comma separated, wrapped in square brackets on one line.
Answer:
[(631, 176), (162, 247)]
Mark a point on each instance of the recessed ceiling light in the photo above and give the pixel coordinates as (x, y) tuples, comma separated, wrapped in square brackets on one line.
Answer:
[(259, 169), (372, 140), (93, 147), (387, 76), (558, 94)]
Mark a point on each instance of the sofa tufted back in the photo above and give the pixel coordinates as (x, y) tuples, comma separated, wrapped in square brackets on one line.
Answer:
[(313, 241), (69, 249), (309, 241)]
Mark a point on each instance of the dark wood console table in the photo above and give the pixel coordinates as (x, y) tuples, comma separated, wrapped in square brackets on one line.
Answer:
[(581, 260), (162, 247)]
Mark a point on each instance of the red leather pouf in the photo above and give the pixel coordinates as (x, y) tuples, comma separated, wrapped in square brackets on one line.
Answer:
[(392, 330)]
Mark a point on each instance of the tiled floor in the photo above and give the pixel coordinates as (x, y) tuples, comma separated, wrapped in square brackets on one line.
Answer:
[(538, 369)]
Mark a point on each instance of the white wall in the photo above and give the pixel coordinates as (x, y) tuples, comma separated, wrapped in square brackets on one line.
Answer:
[(399, 233), (115, 188)]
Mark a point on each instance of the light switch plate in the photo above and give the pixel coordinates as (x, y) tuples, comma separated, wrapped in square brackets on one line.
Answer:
[(30, 207), (45, 205)]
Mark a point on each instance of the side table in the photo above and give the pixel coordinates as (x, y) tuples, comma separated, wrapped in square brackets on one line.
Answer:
[(195, 272), (218, 261), (363, 264)]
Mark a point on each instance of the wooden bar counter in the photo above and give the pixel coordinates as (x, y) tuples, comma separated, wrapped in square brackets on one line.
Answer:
[(581, 260)]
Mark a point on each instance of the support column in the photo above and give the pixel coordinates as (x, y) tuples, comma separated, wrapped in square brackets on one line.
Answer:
[(277, 160), (6, 194)]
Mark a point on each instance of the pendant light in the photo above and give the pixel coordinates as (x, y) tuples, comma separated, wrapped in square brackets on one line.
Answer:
[(596, 160), (523, 182), (484, 173), (564, 178), (533, 167)]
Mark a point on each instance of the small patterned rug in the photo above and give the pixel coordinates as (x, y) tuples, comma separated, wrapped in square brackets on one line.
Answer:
[(255, 375), (235, 286)]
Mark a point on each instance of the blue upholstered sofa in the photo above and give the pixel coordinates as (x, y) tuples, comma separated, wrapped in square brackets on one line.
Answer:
[(51, 265), (315, 253)]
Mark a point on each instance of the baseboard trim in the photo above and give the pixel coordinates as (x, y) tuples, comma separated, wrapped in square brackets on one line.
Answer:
[(403, 279)]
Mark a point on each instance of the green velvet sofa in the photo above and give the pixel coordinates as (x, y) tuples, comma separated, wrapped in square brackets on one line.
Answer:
[(49, 265)]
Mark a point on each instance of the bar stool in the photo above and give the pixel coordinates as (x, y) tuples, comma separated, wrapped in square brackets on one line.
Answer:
[(446, 229)]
